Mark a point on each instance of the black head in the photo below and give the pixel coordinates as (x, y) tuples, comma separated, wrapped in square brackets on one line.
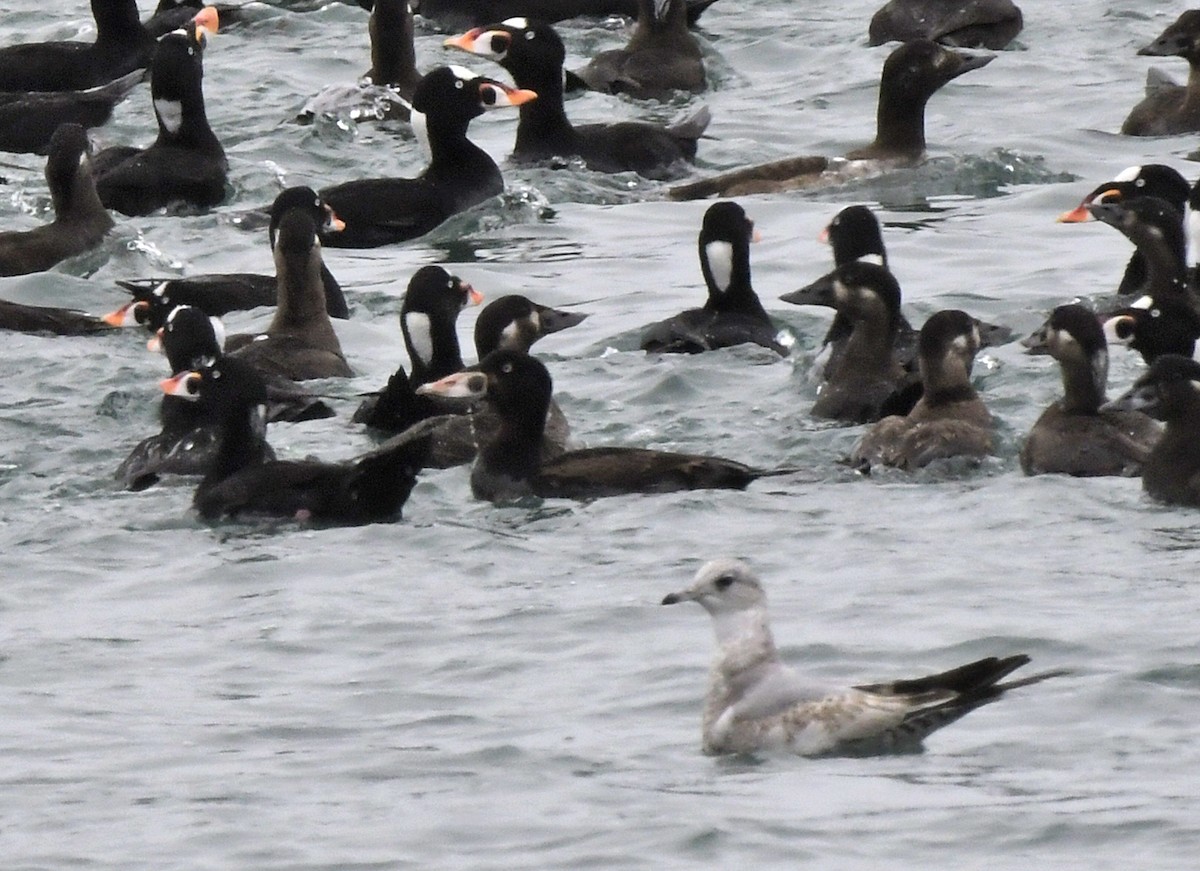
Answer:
[(517, 385), (435, 292), (1167, 391), (523, 47), (177, 73), (451, 96), (228, 387), (854, 234), (191, 339), (724, 244), (1145, 221), (916, 70), (1154, 327), (1180, 39), (66, 160), (304, 199), (514, 322)]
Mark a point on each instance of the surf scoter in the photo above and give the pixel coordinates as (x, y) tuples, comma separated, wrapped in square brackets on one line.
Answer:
[(1170, 108), (463, 14), (460, 174), (911, 75), (370, 489), (300, 342), (732, 314), (1169, 391), (386, 90), (662, 56), (218, 294), (80, 221), (1152, 327), (1146, 180), (867, 378), (511, 467), (1073, 436), (533, 54), (122, 45), (949, 420), (28, 119), (49, 320), (428, 317), (963, 23), (186, 163)]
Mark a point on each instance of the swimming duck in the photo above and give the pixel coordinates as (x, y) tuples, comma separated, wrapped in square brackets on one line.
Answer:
[(1073, 436), (533, 54), (185, 163), (911, 75), (511, 467), (1170, 108), (386, 90), (1146, 180), (49, 320), (217, 294), (80, 221), (242, 481), (28, 119), (963, 23), (300, 342), (950, 420), (460, 174), (732, 314), (662, 56), (122, 45), (1169, 391)]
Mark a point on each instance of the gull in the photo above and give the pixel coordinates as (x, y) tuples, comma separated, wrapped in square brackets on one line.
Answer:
[(757, 703)]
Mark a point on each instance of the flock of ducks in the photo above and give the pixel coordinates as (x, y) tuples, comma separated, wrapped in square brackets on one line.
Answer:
[(913, 386)]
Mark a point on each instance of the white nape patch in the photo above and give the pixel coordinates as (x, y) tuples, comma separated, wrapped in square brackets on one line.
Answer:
[(160, 290), (1192, 223), (421, 131), (877, 259), (516, 23), (170, 114), (420, 336), (1143, 302), (1129, 174), (218, 328), (720, 263), (462, 73)]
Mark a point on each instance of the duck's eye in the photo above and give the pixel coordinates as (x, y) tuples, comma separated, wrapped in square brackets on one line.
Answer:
[(1140, 183), (458, 83), (216, 374), (529, 34), (724, 582), (1154, 312), (507, 368)]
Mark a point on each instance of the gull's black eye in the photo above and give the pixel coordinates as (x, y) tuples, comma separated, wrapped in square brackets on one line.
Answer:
[(724, 582)]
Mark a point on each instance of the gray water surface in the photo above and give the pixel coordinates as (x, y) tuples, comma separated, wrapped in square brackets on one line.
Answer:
[(496, 688)]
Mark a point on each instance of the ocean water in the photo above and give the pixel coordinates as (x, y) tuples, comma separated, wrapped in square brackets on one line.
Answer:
[(497, 688)]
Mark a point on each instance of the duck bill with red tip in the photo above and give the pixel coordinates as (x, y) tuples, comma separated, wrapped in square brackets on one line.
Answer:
[(1080, 214), (206, 22), (467, 384), (126, 315), (185, 385), (474, 297)]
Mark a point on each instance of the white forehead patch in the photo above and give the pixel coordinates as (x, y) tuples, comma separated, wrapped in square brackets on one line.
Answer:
[(1129, 174), (462, 73), (420, 337), (516, 23), (720, 263), (170, 113)]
